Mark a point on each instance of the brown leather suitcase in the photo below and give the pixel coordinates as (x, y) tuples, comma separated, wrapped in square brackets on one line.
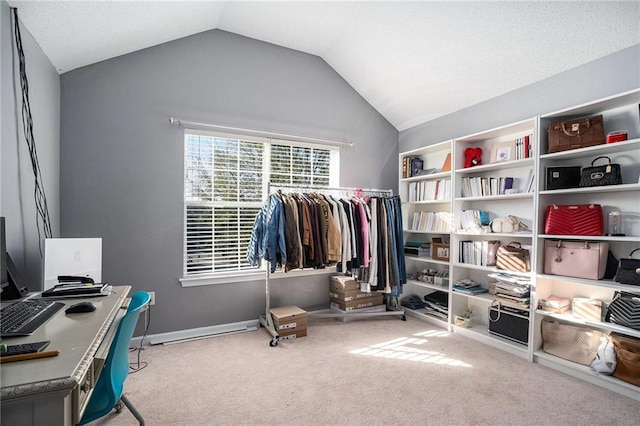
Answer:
[(573, 134)]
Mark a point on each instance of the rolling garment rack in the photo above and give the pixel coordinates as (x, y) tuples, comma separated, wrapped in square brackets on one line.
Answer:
[(394, 308)]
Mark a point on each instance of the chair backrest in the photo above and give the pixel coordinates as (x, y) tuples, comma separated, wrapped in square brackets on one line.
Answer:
[(117, 365), (108, 389)]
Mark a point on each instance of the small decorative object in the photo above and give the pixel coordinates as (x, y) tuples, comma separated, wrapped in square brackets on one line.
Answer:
[(464, 320), (615, 224), (618, 136), (503, 151), (472, 157), (440, 249)]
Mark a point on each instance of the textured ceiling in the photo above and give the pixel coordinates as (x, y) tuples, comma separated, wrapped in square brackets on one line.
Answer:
[(412, 61)]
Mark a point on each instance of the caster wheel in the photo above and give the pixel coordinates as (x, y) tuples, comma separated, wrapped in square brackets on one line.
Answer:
[(273, 343), (118, 407), (404, 318)]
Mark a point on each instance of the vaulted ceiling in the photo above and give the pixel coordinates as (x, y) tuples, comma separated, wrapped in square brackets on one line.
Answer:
[(412, 61)]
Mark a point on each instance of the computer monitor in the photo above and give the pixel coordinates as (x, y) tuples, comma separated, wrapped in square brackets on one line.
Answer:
[(72, 256), (4, 278), (10, 284)]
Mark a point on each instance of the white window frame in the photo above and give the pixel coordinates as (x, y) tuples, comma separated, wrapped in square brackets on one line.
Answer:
[(233, 276)]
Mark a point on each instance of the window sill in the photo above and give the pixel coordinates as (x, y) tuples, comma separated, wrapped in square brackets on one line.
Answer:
[(252, 276)]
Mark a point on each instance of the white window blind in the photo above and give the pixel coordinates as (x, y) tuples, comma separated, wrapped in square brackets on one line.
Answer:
[(225, 185)]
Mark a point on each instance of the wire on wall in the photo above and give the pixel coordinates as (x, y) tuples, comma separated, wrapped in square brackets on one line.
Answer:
[(42, 210)]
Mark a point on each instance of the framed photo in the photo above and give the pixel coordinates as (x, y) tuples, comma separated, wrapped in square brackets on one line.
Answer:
[(503, 151), (440, 251)]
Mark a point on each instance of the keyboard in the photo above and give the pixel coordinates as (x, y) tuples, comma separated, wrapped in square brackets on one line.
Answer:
[(24, 317), (25, 348)]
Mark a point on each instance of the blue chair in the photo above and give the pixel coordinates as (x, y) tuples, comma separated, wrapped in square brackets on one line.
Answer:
[(108, 392)]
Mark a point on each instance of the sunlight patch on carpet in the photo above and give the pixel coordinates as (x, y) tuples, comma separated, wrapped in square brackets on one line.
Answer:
[(409, 349)]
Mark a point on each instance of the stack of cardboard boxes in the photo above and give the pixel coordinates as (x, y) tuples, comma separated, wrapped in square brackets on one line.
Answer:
[(345, 296), (290, 322)]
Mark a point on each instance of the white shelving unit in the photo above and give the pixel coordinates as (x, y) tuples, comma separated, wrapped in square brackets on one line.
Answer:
[(433, 157), (620, 112), (520, 203)]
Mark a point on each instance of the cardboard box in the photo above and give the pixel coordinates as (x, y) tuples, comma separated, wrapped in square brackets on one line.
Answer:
[(347, 317), (294, 334), (349, 295), (342, 283), (288, 317), (358, 303)]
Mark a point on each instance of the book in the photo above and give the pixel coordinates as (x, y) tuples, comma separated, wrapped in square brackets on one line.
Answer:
[(416, 164), (446, 166), (76, 289)]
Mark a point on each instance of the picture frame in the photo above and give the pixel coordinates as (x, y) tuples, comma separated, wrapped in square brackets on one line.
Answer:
[(503, 151)]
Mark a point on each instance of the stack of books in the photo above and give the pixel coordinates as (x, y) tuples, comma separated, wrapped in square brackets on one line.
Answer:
[(417, 249), (513, 292), (468, 286), (437, 304)]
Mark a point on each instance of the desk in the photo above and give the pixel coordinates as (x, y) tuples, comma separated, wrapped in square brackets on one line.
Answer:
[(55, 391)]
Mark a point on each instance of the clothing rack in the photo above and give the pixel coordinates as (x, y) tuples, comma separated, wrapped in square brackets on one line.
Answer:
[(392, 305)]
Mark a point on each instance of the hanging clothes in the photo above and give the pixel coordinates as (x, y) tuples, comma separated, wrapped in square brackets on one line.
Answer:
[(360, 236)]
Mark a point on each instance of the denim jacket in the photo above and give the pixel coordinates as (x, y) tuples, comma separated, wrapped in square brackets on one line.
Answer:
[(267, 237)]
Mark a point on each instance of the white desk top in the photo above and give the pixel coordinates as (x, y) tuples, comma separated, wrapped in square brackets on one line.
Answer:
[(76, 336)]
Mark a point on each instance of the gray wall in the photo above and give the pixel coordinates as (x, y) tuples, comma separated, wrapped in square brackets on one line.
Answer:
[(122, 162), (603, 77), (16, 177)]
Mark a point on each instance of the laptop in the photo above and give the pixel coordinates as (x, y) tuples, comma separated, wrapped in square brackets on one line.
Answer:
[(80, 257)]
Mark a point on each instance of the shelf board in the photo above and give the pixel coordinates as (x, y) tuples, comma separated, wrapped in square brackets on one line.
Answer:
[(497, 197), (430, 318), (482, 297), (432, 176), (481, 333), (426, 260), (429, 286), (491, 269), (429, 149), (503, 165), (615, 101), (585, 373), (598, 189), (606, 326), (412, 231), (494, 234), (593, 151), (610, 284), (632, 238), (447, 201), (524, 126)]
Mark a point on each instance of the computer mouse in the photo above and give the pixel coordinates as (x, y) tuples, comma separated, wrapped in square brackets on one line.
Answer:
[(80, 308)]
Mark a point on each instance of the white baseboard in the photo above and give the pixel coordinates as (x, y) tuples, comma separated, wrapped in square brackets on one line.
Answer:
[(196, 333)]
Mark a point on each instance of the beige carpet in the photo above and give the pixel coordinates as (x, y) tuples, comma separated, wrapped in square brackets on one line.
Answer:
[(381, 371)]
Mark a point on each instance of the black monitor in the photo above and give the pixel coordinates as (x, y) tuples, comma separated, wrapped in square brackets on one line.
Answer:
[(9, 284), (4, 278)]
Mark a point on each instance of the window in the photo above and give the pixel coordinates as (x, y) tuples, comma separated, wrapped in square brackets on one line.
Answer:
[(225, 180)]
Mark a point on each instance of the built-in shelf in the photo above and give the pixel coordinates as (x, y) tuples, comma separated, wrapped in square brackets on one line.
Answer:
[(609, 188), (427, 260), (594, 151), (620, 112), (601, 325), (524, 162), (428, 285), (432, 176), (498, 197), (632, 238)]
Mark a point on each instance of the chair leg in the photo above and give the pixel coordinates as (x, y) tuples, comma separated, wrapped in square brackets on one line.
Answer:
[(133, 410)]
